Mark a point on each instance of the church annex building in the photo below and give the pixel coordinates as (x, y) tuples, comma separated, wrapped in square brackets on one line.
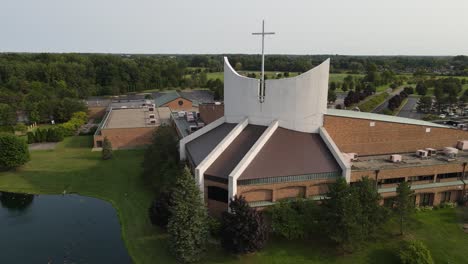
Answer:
[(283, 142)]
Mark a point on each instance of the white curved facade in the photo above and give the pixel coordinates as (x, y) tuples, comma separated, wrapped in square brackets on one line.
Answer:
[(298, 103)]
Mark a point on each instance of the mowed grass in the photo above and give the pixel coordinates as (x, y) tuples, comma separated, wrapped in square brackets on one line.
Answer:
[(74, 168)]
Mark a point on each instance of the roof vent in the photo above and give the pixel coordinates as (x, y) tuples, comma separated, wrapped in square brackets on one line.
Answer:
[(462, 145), (350, 156), (431, 152), (423, 154), (450, 152), (395, 158)]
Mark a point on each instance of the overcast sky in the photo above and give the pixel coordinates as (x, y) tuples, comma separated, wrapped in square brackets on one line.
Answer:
[(359, 27)]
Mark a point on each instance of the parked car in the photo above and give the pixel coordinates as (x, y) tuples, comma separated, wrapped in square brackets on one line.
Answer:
[(442, 116)]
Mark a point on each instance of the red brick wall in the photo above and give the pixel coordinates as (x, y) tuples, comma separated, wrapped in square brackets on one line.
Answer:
[(126, 137), (356, 135), (174, 105), (274, 192)]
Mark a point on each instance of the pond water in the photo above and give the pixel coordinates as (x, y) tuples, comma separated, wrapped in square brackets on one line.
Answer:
[(59, 229)]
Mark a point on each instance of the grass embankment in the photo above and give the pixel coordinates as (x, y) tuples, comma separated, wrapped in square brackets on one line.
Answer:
[(74, 168), (370, 104)]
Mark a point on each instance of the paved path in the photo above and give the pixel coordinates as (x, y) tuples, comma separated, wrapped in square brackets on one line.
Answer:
[(42, 146), (409, 109)]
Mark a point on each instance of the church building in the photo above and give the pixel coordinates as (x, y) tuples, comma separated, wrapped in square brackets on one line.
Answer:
[(279, 141)]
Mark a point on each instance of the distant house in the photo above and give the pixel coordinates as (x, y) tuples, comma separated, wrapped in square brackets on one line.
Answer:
[(175, 102), (183, 100)]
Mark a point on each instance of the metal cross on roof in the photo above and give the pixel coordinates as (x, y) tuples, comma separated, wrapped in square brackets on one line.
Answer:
[(261, 93)]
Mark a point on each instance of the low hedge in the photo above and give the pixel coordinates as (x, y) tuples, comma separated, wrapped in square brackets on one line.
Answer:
[(53, 134)]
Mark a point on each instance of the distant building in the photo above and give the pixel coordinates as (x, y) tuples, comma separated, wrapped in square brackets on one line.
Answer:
[(130, 127), (290, 145)]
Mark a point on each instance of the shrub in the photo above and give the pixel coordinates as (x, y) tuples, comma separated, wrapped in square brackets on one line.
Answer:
[(54, 135), (20, 127), (106, 149), (415, 252), (243, 229), (31, 137), (448, 205), (293, 219), (13, 151), (160, 212)]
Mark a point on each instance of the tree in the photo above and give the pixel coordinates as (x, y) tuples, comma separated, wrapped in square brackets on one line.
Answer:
[(421, 89), (332, 86), (188, 224), (331, 96), (160, 210), (424, 104), (415, 252), (106, 149), (161, 160), (404, 203), (14, 151), (373, 216), (243, 229), (7, 115), (341, 215)]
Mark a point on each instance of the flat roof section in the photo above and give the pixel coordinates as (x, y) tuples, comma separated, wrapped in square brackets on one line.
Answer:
[(135, 117), (382, 162), (228, 160), (380, 117), (201, 146), (291, 153)]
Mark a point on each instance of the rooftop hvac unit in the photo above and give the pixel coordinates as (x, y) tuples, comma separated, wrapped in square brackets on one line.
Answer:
[(450, 152), (189, 117), (200, 124), (431, 152), (395, 158), (152, 121), (422, 153), (151, 116), (181, 114), (217, 103), (151, 109), (193, 128), (462, 145)]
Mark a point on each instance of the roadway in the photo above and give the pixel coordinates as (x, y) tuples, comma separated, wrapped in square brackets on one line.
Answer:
[(382, 106), (409, 109)]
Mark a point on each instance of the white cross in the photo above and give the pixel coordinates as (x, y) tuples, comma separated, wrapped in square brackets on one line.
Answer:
[(261, 93)]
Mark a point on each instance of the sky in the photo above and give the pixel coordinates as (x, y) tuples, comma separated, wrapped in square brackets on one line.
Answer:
[(350, 27)]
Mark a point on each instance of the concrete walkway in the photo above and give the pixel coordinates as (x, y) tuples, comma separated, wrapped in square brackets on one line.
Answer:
[(42, 146)]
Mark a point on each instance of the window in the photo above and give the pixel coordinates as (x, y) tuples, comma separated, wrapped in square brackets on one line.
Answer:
[(392, 180), (421, 178), (217, 194), (99, 143), (445, 197), (372, 124), (427, 199), (180, 102), (448, 175)]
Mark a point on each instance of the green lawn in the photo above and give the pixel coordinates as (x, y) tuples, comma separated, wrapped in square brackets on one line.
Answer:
[(370, 104), (74, 168)]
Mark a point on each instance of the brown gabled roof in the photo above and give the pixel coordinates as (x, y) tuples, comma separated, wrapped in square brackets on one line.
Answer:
[(234, 153), (290, 153), (201, 146)]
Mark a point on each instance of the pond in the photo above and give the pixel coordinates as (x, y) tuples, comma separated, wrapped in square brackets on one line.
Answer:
[(59, 229)]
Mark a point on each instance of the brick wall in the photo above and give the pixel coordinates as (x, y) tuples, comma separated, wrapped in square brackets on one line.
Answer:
[(277, 191), (356, 135), (215, 208), (174, 105), (126, 137)]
